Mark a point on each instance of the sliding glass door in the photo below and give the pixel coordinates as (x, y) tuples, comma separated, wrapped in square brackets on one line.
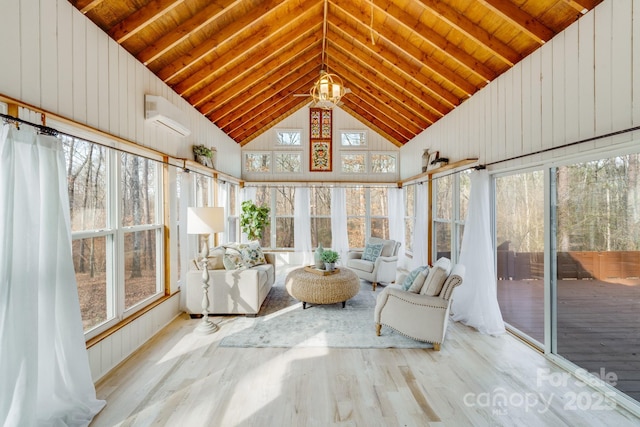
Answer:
[(597, 268), (520, 252)]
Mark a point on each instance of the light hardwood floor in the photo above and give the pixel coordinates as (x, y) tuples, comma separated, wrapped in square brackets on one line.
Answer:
[(182, 379)]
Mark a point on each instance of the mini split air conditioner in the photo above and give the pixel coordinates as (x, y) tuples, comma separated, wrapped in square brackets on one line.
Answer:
[(164, 114)]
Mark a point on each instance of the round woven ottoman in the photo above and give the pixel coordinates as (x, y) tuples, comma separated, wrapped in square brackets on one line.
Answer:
[(314, 288)]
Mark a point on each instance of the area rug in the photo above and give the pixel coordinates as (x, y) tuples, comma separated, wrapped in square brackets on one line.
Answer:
[(282, 322)]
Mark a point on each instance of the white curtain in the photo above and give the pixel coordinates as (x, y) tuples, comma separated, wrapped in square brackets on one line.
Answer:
[(302, 225), (339, 236), (420, 238), (395, 198), (223, 195), (476, 303), (187, 242), (44, 367)]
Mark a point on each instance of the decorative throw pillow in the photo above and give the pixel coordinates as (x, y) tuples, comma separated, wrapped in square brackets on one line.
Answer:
[(252, 254), (406, 284), (233, 259), (418, 282), (372, 251), (437, 276)]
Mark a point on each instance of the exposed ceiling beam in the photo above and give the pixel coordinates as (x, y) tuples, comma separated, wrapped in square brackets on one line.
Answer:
[(198, 53), (413, 52), (423, 116), (141, 18), (521, 19), (439, 42), (470, 29), (277, 120), (196, 23), (365, 117), (410, 92), (264, 89), (406, 65), (85, 6), (583, 6), (304, 46), (270, 120)]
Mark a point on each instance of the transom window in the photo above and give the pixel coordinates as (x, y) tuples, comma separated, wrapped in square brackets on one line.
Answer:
[(289, 137), (353, 138), (257, 162)]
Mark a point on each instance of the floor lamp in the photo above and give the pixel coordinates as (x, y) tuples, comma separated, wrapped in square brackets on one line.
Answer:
[(203, 222)]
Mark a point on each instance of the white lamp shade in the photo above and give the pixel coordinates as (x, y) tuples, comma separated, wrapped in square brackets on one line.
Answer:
[(205, 220)]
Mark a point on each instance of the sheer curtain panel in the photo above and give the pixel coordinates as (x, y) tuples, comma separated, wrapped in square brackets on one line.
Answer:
[(420, 237), (302, 224), (475, 302), (396, 221), (188, 243), (44, 365)]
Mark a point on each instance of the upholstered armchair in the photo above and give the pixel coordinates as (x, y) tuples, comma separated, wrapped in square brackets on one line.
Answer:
[(418, 315), (377, 262)]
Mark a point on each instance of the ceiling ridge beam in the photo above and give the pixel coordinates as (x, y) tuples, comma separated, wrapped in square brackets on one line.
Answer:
[(521, 19), (402, 65), (412, 51), (201, 51), (183, 31), (142, 17), (458, 21), (302, 44), (264, 88), (439, 42)]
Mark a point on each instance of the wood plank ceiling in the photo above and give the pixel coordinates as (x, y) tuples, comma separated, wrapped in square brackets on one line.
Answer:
[(407, 62)]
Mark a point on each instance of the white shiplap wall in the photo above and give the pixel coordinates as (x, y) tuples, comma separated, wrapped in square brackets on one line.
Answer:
[(56, 59), (342, 121), (583, 83)]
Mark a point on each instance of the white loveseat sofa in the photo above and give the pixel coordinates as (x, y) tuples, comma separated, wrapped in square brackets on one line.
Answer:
[(239, 291), (382, 269)]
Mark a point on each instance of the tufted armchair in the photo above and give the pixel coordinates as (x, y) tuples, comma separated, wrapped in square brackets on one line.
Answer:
[(383, 267), (417, 315)]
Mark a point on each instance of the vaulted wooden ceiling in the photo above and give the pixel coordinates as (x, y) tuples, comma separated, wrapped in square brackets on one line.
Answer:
[(407, 62)]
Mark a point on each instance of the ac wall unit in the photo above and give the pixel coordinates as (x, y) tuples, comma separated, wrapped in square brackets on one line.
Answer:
[(164, 114)]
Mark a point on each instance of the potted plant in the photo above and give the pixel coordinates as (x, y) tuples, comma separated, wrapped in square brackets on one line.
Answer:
[(330, 257), (253, 219), (204, 155)]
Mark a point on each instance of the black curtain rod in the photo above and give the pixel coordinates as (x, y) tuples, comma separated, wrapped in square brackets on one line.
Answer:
[(46, 130)]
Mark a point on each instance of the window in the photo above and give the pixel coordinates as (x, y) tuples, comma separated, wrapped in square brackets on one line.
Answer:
[(320, 216), (353, 163), (288, 162), (289, 137), (233, 222), (110, 287), (383, 163), (257, 162), (284, 202), (379, 209), (356, 216), (442, 216), (353, 138)]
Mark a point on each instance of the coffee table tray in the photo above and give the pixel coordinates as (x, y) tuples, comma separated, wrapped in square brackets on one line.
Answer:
[(313, 269)]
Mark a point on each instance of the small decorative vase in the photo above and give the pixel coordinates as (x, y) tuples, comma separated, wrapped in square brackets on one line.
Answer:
[(317, 258), (329, 266)]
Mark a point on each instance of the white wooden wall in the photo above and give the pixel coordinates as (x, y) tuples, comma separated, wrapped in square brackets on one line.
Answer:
[(54, 58), (583, 83), (341, 121)]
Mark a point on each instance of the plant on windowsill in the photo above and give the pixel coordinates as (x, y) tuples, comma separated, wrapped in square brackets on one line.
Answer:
[(330, 257), (204, 155), (253, 219)]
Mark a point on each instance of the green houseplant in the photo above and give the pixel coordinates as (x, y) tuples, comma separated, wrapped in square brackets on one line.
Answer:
[(253, 219), (204, 155), (330, 257)]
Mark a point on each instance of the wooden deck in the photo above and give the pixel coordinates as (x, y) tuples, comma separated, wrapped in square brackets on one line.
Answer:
[(598, 323)]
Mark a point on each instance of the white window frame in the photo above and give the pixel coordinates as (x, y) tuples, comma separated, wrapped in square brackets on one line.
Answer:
[(282, 131), (383, 153), (363, 132), (352, 153), (253, 153), (286, 153)]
